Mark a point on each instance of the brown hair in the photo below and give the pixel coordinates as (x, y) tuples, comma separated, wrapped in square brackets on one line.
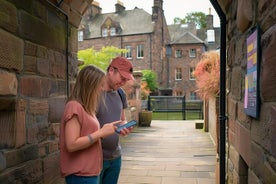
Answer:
[(86, 90)]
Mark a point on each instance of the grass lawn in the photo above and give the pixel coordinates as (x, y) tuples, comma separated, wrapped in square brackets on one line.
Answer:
[(175, 116)]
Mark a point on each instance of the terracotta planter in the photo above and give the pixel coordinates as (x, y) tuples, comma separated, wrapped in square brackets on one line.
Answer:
[(145, 118)]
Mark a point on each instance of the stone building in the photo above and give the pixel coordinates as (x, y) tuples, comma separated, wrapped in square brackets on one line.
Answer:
[(38, 62), (144, 35), (251, 148)]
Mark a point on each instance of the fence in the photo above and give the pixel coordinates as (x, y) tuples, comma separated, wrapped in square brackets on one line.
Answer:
[(176, 107)]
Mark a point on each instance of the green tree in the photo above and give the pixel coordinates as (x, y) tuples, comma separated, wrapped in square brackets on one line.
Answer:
[(150, 78), (199, 18), (99, 58)]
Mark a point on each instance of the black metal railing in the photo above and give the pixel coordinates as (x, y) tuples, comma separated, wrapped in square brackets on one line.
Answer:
[(176, 104)]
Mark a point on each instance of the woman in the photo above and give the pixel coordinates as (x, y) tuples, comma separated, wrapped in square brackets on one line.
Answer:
[(80, 146)]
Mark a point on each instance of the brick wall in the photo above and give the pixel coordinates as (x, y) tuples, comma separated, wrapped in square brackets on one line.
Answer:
[(186, 86), (251, 145)]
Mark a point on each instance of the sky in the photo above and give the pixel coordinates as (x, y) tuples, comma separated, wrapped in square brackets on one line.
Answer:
[(172, 8)]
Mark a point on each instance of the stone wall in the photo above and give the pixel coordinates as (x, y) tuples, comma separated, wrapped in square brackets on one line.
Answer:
[(251, 146), (38, 66), (35, 71)]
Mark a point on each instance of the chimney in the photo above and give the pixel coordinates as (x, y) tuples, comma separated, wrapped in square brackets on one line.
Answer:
[(119, 7), (157, 7), (209, 20), (95, 8), (192, 27)]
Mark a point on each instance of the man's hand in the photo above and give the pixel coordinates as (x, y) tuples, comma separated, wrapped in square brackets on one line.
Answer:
[(125, 131)]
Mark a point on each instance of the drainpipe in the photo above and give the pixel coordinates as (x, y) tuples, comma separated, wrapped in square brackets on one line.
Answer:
[(66, 43), (222, 117)]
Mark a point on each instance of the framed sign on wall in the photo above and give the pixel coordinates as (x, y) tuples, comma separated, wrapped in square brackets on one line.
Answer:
[(252, 78)]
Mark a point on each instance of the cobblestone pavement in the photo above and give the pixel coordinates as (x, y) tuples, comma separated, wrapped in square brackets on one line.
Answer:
[(168, 152)]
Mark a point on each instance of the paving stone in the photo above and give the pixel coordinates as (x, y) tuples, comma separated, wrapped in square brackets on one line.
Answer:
[(168, 152)]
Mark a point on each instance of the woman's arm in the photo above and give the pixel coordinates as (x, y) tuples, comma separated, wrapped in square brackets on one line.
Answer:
[(75, 142)]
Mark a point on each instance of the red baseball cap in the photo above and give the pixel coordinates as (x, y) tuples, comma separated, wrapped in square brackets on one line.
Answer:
[(124, 67)]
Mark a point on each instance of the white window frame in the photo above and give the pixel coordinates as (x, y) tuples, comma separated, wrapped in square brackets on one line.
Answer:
[(128, 55), (179, 93), (178, 53), (191, 76), (80, 35), (112, 31), (193, 95), (192, 53), (178, 74), (140, 51), (104, 32)]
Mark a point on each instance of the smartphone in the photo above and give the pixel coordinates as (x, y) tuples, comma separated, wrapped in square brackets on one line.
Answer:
[(127, 125)]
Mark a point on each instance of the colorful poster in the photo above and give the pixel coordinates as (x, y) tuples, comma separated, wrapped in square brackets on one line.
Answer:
[(251, 96)]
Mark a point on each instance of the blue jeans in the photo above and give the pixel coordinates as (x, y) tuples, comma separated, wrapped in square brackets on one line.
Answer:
[(74, 179), (111, 171)]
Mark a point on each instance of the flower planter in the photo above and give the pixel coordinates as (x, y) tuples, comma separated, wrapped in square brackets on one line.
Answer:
[(145, 118)]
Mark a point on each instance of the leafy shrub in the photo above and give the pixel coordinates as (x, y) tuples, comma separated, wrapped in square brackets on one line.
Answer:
[(207, 74)]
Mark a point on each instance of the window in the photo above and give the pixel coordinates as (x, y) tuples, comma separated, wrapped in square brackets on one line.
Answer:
[(80, 36), (178, 74), (140, 51), (128, 54), (178, 93), (104, 32), (178, 53), (192, 53), (113, 31), (193, 96), (191, 75)]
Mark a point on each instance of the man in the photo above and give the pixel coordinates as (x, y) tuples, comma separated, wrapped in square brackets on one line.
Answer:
[(118, 73)]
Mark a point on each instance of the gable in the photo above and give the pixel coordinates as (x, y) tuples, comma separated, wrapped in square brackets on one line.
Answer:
[(136, 21)]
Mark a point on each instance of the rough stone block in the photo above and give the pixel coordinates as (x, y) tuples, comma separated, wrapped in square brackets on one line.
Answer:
[(268, 74), (56, 107), (40, 106), (269, 174), (243, 142), (11, 51), (20, 123), (8, 16), (244, 15), (51, 168), (29, 172), (236, 83), (2, 162), (34, 86), (30, 66), (8, 83), (257, 159)]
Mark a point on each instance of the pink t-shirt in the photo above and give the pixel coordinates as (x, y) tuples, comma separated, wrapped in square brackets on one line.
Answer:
[(86, 162)]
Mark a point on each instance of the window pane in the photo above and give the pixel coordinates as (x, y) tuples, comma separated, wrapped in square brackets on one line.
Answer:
[(80, 36), (128, 54), (104, 32), (112, 31), (193, 96), (178, 53), (192, 53), (140, 51), (192, 77), (178, 74)]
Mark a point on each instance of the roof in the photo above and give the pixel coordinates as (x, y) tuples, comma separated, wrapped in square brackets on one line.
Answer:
[(183, 35), (136, 21)]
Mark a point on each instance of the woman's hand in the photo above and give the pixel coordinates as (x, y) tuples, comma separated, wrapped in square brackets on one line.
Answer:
[(109, 129)]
